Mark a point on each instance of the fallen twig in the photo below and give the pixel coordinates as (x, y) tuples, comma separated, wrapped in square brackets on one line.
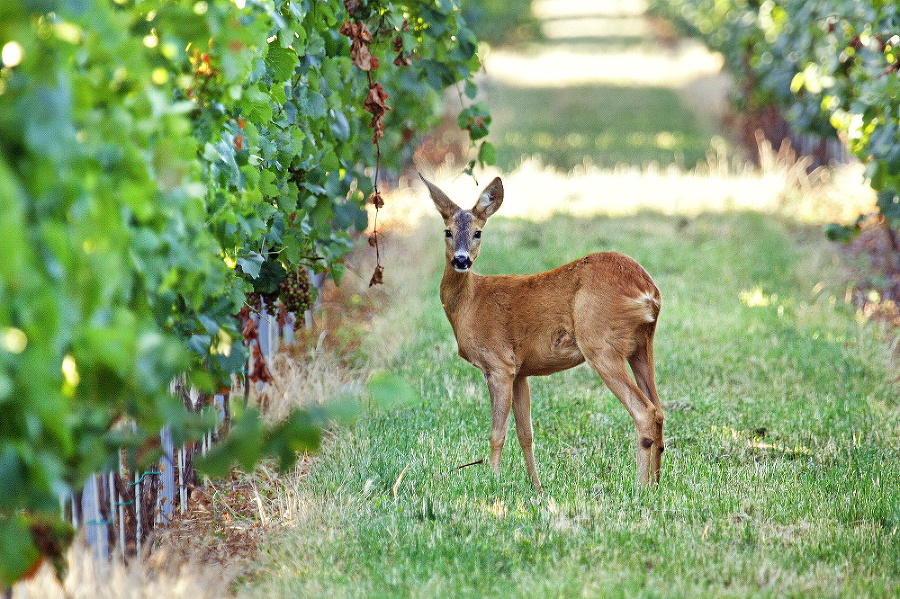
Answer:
[(481, 461)]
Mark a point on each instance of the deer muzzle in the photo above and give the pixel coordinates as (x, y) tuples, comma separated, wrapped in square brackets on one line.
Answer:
[(461, 262)]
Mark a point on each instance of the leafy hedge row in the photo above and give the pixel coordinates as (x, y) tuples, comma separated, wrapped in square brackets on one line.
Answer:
[(159, 161), (830, 66)]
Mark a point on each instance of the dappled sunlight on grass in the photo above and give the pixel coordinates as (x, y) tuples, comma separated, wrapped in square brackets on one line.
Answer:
[(606, 84), (560, 67), (565, 9), (497, 509), (756, 297), (607, 123), (536, 192), (753, 445)]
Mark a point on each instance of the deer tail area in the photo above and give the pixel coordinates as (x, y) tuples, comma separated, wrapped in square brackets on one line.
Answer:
[(650, 305)]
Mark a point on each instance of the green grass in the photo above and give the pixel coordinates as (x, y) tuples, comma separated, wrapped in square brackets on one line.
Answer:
[(781, 475), (607, 125)]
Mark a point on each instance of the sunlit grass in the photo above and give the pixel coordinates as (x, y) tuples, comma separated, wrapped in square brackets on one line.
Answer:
[(780, 476), (603, 125)]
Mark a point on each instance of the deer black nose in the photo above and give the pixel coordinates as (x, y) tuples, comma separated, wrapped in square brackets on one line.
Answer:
[(461, 262)]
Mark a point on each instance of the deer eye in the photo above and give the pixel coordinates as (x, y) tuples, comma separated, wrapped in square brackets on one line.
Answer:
[(477, 235), (448, 234)]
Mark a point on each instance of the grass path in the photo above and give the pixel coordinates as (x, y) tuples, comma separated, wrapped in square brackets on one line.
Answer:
[(781, 477), (608, 85), (782, 470)]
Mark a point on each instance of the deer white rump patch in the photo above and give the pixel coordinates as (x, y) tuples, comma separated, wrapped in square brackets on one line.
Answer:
[(650, 304)]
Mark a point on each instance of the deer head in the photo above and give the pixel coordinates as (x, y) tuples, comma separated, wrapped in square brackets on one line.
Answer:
[(463, 227)]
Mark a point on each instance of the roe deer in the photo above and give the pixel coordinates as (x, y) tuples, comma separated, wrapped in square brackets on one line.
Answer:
[(602, 308)]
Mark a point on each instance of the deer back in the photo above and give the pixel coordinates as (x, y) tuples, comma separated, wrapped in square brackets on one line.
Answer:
[(529, 324)]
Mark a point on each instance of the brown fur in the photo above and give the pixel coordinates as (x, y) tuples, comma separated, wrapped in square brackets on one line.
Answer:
[(601, 309)]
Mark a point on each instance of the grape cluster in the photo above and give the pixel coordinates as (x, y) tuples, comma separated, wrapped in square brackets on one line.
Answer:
[(255, 301), (294, 291)]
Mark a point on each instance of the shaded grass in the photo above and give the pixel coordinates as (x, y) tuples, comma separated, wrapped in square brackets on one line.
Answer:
[(604, 124), (781, 475)]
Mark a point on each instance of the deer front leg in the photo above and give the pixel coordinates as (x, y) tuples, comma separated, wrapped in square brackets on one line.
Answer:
[(500, 388), (522, 413)]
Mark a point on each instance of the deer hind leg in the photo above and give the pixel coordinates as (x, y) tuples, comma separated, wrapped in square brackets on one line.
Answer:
[(522, 411), (611, 367), (641, 362), (500, 388)]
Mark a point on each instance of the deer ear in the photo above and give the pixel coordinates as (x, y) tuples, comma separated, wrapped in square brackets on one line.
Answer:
[(445, 205), (489, 200)]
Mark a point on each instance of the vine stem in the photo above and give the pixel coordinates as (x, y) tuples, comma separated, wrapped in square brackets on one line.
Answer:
[(375, 237), (376, 277), (472, 144)]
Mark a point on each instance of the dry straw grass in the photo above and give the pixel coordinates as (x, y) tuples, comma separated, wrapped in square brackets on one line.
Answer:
[(781, 186), (304, 380), (89, 578)]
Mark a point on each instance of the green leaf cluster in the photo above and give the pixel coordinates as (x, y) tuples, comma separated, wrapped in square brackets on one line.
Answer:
[(832, 67), (160, 159)]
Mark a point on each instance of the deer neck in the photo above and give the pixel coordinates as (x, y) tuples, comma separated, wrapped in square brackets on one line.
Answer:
[(457, 292)]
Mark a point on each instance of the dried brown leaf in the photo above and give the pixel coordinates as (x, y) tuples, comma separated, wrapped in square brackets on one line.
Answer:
[(377, 125), (364, 33), (260, 372), (377, 278), (249, 329), (375, 100), (361, 56)]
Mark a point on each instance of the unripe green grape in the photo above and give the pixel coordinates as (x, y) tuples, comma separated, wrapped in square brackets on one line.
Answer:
[(294, 291)]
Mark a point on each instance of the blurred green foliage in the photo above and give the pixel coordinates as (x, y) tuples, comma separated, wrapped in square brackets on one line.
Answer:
[(832, 67), (154, 156), (501, 21)]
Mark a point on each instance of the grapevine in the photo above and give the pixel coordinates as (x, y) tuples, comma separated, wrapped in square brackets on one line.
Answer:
[(829, 66), (161, 161)]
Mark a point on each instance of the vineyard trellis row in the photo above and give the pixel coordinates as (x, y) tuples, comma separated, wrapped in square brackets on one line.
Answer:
[(119, 511), (164, 163), (829, 68)]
